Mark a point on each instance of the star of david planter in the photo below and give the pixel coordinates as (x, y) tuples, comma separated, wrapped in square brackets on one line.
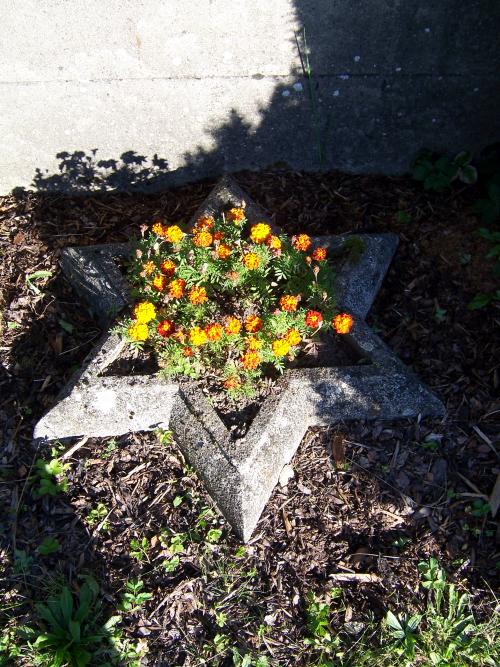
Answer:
[(239, 474)]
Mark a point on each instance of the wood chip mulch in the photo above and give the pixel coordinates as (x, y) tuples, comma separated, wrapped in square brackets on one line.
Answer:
[(366, 502)]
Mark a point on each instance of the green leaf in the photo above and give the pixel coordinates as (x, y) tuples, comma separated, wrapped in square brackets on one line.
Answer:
[(75, 630), (393, 621), (66, 604), (177, 501), (67, 326), (479, 301), (468, 174), (413, 622), (49, 545)]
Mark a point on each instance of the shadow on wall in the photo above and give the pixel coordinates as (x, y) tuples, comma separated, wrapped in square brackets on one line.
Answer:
[(376, 83)]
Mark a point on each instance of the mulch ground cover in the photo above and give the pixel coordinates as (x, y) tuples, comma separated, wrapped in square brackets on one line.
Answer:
[(365, 502)]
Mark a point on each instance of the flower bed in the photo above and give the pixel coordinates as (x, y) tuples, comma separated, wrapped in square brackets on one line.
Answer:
[(228, 301)]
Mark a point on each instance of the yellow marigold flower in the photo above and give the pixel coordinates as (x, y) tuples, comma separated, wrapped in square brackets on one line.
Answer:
[(203, 239), (214, 332), (301, 242), (174, 234), (158, 229), (223, 251), (319, 254), (168, 268), (198, 295), (253, 343), (293, 337), (138, 331), (273, 242), (281, 347), (251, 261), (289, 303), (253, 323), (236, 215), (159, 283), (233, 326), (205, 222), (144, 312), (250, 360), (176, 288), (197, 336), (260, 232), (342, 323), (148, 268), (232, 383)]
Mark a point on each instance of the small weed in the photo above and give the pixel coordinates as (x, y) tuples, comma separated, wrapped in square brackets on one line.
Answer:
[(482, 300), (177, 501), (171, 564), (134, 596), (440, 314), (320, 638), (438, 174), (401, 542), (248, 660), (139, 549), (430, 445), (37, 275), (403, 217), (164, 437), (98, 515), (49, 545), (111, 445), (22, 562), (480, 509), (70, 634), (50, 477)]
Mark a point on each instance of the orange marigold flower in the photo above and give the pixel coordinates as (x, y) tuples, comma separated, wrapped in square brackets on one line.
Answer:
[(281, 347), (301, 242), (203, 239), (251, 261), (253, 343), (166, 328), (159, 283), (214, 332), (236, 215), (293, 337), (253, 323), (138, 331), (179, 335), (273, 242), (144, 312), (289, 303), (158, 228), (233, 276), (233, 326), (232, 383), (223, 251), (313, 319), (198, 295), (250, 360), (205, 222), (260, 232), (148, 268), (342, 323), (187, 351), (176, 288), (197, 336), (319, 254), (168, 268), (218, 236)]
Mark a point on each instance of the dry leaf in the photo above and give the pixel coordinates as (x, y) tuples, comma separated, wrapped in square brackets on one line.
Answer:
[(338, 449)]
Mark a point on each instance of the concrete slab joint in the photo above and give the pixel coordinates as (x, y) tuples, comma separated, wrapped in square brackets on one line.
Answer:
[(239, 474)]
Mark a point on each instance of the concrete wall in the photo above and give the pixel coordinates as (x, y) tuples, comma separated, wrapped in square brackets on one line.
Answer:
[(170, 90)]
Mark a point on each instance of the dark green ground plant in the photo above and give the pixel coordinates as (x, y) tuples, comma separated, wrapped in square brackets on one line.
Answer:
[(69, 632), (438, 173)]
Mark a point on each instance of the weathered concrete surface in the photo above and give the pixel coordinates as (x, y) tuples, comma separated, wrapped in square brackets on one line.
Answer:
[(241, 474), (220, 88)]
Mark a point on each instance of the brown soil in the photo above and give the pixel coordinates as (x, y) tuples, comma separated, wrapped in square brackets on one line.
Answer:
[(358, 489)]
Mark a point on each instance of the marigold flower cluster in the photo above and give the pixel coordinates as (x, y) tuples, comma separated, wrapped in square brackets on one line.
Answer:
[(229, 297)]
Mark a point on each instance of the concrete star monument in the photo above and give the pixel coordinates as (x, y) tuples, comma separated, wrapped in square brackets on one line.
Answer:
[(239, 473)]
